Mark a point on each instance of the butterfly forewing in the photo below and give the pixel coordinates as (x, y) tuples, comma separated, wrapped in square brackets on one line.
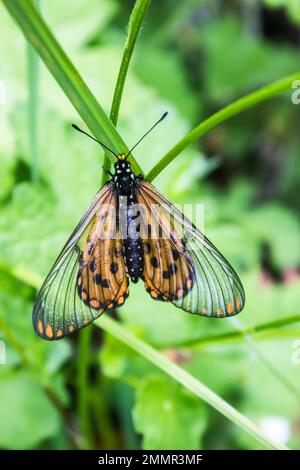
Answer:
[(182, 265), (102, 282), (73, 294)]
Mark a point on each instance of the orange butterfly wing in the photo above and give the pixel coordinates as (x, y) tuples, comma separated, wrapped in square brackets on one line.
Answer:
[(87, 278), (168, 272), (182, 265), (102, 281)]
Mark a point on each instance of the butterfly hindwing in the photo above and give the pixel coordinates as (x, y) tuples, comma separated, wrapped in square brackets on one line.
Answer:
[(72, 296), (182, 265), (167, 273)]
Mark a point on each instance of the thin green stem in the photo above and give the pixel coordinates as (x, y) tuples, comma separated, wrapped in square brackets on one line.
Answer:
[(187, 380), (173, 370), (273, 370), (136, 20), (269, 328), (134, 26), (264, 331), (72, 84), (223, 115), (286, 383), (32, 73), (102, 414), (58, 63)]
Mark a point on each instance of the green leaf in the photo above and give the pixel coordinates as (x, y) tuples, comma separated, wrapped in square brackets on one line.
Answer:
[(43, 359), (173, 420), (27, 416), (77, 22), (257, 62), (225, 113), (155, 69), (279, 227), (184, 378), (269, 302), (292, 7), (119, 362), (24, 223), (58, 63)]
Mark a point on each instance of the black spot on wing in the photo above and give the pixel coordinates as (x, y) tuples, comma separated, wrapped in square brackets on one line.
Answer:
[(100, 282), (93, 266), (172, 268), (147, 248), (154, 262), (104, 283), (114, 268)]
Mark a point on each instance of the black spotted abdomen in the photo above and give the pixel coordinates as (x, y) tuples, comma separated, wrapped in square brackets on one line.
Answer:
[(133, 248)]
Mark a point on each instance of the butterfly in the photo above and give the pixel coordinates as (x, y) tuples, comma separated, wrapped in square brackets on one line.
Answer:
[(131, 232)]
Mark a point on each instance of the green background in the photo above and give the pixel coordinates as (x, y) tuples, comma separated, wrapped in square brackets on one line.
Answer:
[(192, 58)]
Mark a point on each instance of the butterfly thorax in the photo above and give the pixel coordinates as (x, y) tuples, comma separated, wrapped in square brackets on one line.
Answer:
[(124, 178), (126, 182)]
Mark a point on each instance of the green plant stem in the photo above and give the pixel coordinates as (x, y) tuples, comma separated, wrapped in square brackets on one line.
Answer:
[(32, 71), (269, 328), (134, 26), (223, 115), (83, 364), (36, 31), (262, 331), (187, 380), (58, 63), (173, 370), (268, 364), (136, 20), (102, 414), (285, 382)]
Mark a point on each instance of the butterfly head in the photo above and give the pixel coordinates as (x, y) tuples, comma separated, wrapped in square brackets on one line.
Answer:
[(122, 165)]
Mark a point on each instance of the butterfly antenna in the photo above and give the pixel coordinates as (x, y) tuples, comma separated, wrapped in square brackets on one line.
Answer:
[(93, 138), (161, 119)]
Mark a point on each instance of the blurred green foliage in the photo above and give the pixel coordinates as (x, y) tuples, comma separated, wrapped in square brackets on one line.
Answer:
[(201, 56)]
